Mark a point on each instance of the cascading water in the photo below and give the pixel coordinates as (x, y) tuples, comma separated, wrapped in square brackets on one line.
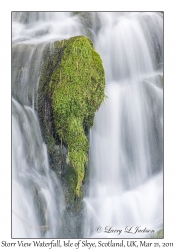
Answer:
[(36, 193), (125, 161), (38, 201), (126, 142)]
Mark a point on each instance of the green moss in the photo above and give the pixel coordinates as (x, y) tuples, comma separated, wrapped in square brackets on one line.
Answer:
[(71, 182), (77, 91), (158, 234), (51, 58), (71, 90)]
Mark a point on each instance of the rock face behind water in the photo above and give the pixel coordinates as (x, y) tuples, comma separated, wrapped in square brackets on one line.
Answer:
[(71, 89)]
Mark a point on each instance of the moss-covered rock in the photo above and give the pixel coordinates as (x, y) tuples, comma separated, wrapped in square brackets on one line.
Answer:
[(73, 81)]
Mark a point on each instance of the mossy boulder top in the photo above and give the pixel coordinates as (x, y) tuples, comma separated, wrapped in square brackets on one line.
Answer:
[(73, 81)]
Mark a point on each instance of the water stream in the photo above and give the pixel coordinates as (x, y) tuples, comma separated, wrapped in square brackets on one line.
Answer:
[(126, 152), (125, 187)]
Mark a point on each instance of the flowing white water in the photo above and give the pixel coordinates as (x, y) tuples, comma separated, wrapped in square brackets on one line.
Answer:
[(126, 180), (38, 206), (37, 197), (126, 141)]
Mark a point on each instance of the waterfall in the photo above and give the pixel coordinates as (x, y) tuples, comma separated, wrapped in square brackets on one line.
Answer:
[(125, 187), (126, 153), (37, 198)]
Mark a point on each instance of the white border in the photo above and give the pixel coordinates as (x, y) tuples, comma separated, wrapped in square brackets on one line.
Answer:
[(6, 7)]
